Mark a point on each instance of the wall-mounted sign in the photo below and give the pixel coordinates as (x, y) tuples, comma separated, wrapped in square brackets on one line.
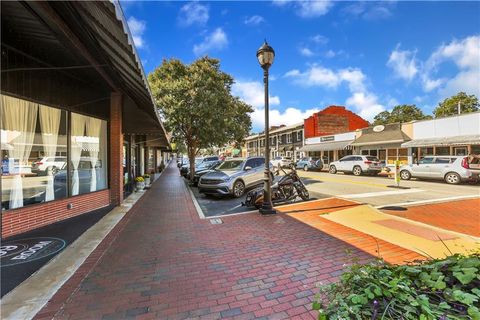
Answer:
[(378, 128), (25, 250), (327, 138)]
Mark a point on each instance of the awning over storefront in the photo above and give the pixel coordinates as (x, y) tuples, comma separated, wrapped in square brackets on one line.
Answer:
[(446, 141), (327, 146), (381, 135)]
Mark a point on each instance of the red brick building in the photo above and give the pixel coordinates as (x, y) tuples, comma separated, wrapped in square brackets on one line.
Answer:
[(332, 120)]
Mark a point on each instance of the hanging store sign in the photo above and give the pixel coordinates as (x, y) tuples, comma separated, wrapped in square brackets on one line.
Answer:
[(327, 138), (26, 250)]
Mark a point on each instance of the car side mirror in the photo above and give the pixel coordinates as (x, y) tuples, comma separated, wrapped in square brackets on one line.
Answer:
[(248, 168)]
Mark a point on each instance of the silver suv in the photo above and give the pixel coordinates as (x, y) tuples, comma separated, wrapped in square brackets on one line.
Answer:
[(452, 169), (233, 177)]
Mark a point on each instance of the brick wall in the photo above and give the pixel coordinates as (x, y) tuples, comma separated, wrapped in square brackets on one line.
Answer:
[(333, 120), (38, 215), (116, 149)]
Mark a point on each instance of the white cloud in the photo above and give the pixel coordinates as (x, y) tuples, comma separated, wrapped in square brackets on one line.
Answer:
[(465, 54), (364, 102), (306, 52), (137, 28), (254, 20), (217, 40), (330, 54), (319, 39), (193, 13), (276, 117), (252, 92), (403, 63), (307, 8), (370, 10)]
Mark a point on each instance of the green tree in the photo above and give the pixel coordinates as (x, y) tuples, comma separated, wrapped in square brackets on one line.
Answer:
[(401, 113), (196, 102), (449, 106)]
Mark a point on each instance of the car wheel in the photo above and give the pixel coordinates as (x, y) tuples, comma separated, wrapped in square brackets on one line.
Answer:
[(357, 171), (405, 175), (452, 178), (238, 189), (305, 168), (332, 170)]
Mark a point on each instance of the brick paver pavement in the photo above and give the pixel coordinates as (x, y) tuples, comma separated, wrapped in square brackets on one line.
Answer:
[(461, 216), (162, 262)]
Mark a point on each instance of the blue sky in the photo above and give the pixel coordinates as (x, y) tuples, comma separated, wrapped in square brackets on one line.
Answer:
[(367, 56)]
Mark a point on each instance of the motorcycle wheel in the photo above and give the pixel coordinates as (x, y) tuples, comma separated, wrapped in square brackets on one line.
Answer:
[(303, 193)]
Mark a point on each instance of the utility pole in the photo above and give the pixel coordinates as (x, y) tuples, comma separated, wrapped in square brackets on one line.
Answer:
[(459, 107)]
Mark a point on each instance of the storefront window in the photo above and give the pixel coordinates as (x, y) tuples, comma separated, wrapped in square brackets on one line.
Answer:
[(88, 165), (460, 151), (426, 151), (476, 149), (33, 151), (442, 151)]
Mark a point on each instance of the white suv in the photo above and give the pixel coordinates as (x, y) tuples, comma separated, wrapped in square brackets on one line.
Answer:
[(357, 164), (281, 162), (42, 165), (451, 169)]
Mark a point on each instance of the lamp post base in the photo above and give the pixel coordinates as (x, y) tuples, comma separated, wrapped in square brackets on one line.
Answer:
[(268, 210)]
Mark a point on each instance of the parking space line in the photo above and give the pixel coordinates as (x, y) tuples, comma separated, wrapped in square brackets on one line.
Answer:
[(379, 194), (200, 213), (346, 181), (412, 203)]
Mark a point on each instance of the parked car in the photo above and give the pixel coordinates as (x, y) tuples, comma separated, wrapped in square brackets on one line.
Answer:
[(42, 165), (309, 164), (452, 169), (233, 177), (203, 169), (356, 164), (281, 162)]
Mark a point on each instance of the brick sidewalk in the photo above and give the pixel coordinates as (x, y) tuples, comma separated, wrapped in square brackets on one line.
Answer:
[(162, 262), (461, 216)]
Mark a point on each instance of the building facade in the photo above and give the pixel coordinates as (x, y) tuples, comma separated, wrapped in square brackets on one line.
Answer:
[(333, 120), (285, 141), (78, 122)]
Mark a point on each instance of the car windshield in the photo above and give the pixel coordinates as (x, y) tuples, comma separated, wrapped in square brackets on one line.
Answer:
[(205, 165), (231, 165), (372, 159)]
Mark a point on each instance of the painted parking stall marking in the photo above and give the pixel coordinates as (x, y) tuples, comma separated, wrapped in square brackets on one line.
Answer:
[(378, 194), (26, 250)]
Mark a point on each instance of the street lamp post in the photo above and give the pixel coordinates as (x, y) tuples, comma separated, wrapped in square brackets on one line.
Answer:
[(265, 56)]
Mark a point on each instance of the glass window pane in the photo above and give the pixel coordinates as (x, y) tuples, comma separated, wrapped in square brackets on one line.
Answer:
[(33, 140), (88, 166)]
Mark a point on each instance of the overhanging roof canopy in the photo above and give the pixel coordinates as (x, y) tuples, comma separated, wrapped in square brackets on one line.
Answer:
[(327, 146), (392, 133), (444, 141)]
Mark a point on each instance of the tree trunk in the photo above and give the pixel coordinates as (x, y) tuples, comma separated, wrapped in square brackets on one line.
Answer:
[(191, 158)]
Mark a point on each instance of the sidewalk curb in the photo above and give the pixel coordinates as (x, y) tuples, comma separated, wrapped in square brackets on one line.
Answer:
[(200, 213), (28, 298)]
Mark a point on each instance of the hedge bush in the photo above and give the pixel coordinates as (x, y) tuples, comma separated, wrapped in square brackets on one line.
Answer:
[(435, 289)]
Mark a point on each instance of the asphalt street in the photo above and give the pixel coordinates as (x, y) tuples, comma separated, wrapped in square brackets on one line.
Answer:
[(379, 191)]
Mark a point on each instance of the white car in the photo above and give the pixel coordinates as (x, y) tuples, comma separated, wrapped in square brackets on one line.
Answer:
[(42, 165), (356, 164), (281, 162), (451, 169)]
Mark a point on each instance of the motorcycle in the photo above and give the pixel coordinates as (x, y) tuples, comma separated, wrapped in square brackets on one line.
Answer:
[(285, 189)]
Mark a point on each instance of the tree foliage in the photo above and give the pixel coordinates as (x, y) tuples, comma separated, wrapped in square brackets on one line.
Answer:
[(196, 102), (401, 113), (448, 107)]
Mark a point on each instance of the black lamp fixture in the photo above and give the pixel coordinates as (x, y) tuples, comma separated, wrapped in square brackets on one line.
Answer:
[(265, 56)]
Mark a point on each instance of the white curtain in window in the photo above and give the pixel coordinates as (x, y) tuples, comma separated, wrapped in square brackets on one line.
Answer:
[(78, 138), (93, 132), (50, 124), (20, 117)]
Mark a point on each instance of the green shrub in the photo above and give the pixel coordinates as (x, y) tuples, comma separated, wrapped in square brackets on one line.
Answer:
[(435, 289)]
